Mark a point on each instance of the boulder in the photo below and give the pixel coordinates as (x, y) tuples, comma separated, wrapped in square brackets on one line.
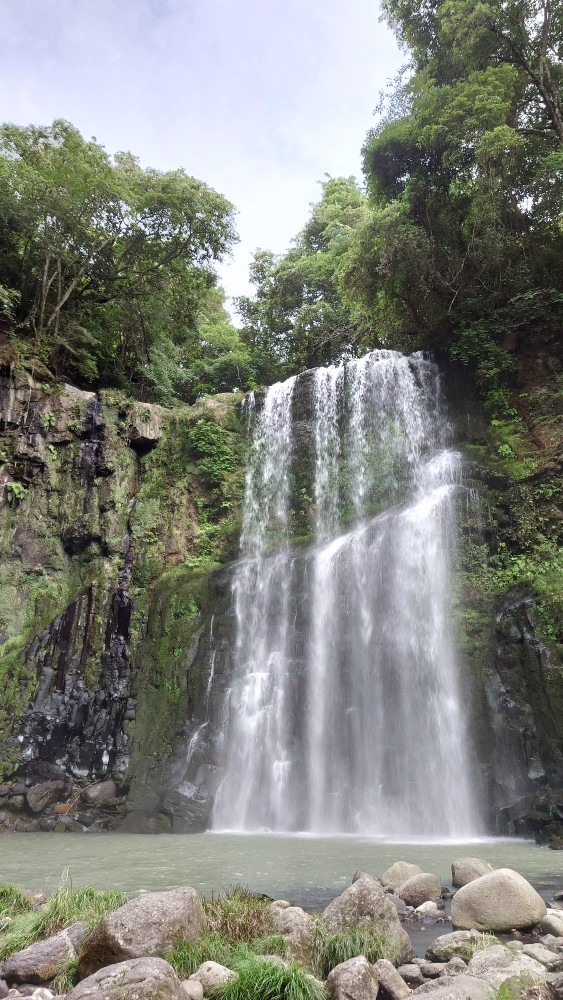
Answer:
[(193, 989), (552, 960), (102, 791), (499, 901), (144, 429), (455, 967), (460, 944), (461, 988), (399, 904), (398, 873), (466, 870), (431, 970), (138, 979), (147, 925), (551, 941), (554, 983), (212, 976), (497, 964), (294, 924), (552, 922), (353, 980), (419, 888), (364, 903), (411, 974), (45, 794), (392, 986), (40, 962)]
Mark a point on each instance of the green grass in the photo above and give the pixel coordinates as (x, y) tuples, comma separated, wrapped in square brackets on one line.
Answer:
[(187, 956), (329, 950), (64, 908), (267, 981), (238, 915), (67, 977), (13, 901)]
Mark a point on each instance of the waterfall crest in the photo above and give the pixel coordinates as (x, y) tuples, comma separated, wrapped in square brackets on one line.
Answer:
[(345, 713)]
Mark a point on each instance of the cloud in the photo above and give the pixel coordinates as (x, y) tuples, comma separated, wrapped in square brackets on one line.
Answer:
[(256, 97)]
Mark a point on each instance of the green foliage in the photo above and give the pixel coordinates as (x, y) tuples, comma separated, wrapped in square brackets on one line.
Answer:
[(67, 976), (16, 492), (269, 981), (187, 956), (65, 907), (107, 269), (238, 915), (329, 950), (14, 900)]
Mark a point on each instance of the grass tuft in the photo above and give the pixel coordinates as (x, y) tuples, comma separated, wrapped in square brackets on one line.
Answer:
[(14, 900), (67, 977), (272, 944), (238, 915), (267, 981), (187, 956), (329, 950), (65, 907)]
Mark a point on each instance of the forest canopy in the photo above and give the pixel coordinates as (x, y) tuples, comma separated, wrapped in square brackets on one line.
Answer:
[(454, 241)]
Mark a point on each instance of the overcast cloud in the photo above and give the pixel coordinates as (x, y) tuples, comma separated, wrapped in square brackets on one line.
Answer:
[(259, 98)]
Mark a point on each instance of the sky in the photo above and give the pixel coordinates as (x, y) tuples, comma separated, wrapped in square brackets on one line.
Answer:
[(258, 98)]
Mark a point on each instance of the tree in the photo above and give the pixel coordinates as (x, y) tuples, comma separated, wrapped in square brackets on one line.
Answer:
[(104, 261)]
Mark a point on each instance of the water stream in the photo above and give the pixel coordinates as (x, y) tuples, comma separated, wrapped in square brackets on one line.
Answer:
[(345, 713)]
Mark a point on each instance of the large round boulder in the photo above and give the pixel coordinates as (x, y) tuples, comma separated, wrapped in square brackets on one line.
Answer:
[(419, 888), (499, 901), (466, 870), (457, 944), (398, 873), (147, 925), (365, 903), (139, 979), (353, 980)]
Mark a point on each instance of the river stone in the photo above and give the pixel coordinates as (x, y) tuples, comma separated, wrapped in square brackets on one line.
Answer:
[(497, 964), (149, 924), (458, 943), (430, 909), (459, 988), (552, 923), (102, 791), (466, 870), (353, 980), (552, 960), (40, 962), (138, 979), (392, 986), (212, 976), (554, 982), (363, 903), (431, 970), (294, 924), (45, 794), (398, 873), (455, 967), (419, 888), (411, 974), (193, 989), (399, 904), (499, 901)]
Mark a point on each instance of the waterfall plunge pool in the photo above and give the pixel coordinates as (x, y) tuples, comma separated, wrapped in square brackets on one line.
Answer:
[(308, 870)]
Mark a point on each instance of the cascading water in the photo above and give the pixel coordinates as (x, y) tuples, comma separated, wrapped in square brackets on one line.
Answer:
[(345, 714)]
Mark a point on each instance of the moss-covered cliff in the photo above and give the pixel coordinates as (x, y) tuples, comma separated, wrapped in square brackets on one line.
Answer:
[(101, 498)]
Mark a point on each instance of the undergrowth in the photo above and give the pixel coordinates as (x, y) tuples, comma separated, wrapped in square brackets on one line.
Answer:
[(269, 981), (65, 907), (329, 950), (238, 915), (187, 956)]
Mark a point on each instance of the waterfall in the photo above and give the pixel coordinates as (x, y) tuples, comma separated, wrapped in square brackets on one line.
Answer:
[(345, 713)]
